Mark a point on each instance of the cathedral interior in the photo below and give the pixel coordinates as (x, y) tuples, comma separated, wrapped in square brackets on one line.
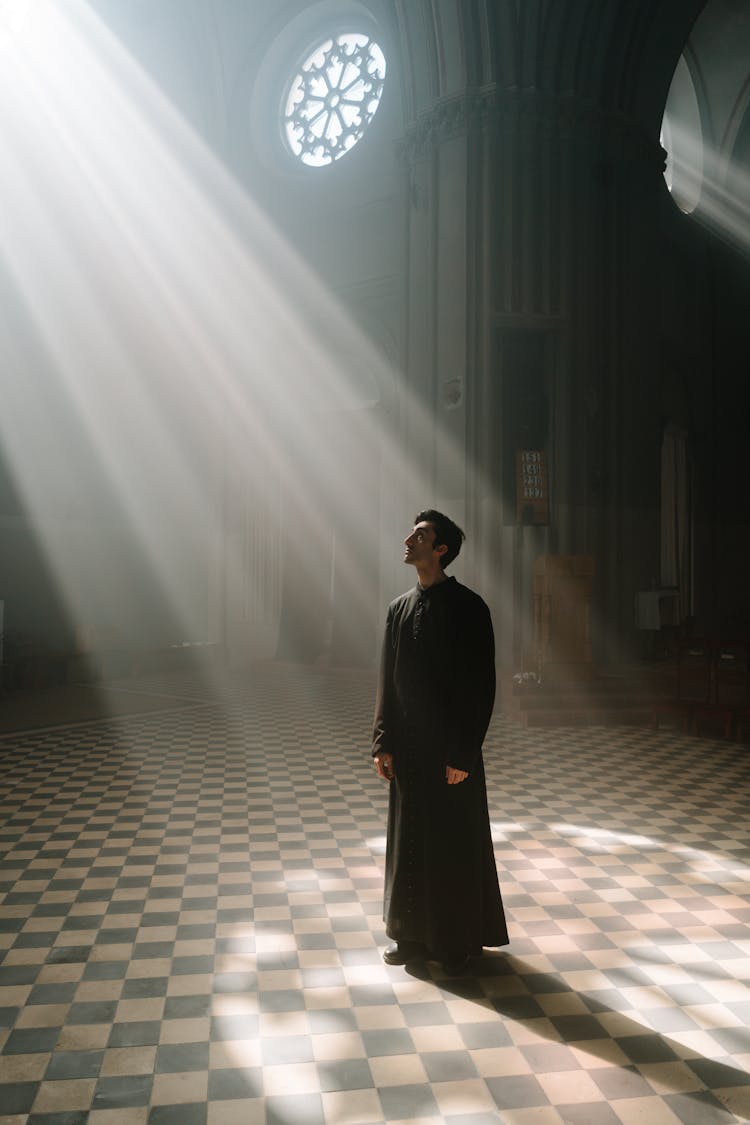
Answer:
[(274, 276)]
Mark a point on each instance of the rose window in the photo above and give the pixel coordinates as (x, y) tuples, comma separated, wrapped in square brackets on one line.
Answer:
[(333, 98)]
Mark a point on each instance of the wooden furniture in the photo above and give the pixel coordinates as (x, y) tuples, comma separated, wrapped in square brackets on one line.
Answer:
[(730, 687), (713, 686), (743, 723), (562, 617), (693, 687)]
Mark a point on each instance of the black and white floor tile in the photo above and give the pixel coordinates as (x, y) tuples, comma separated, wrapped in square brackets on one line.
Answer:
[(190, 925)]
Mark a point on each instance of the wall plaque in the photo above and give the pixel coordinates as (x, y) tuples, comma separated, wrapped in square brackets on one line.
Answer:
[(532, 487)]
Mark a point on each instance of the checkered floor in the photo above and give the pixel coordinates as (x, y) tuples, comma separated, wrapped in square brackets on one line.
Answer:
[(190, 925)]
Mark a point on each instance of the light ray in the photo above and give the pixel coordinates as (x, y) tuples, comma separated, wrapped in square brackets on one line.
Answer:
[(712, 186), (187, 343)]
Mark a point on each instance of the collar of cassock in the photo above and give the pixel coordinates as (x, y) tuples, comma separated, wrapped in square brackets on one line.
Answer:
[(429, 591)]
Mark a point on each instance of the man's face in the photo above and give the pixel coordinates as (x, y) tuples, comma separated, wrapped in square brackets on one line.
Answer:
[(419, 546)]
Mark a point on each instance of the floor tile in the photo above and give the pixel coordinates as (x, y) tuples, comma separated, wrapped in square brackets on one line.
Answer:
[(194, 936)]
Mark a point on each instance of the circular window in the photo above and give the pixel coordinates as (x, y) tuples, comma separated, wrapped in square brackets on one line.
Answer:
[(333, 98)]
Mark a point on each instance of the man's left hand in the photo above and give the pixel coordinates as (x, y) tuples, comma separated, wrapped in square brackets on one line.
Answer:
[(384, 766), (453, 776)]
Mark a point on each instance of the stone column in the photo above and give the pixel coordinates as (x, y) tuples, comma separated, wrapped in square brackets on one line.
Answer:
[(531, 322)]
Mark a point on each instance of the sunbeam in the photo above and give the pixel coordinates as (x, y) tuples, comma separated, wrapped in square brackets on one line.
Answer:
[(712, 187), (172, 369)]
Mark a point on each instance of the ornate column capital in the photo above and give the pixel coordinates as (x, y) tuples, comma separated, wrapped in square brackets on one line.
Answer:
[(547, 114)]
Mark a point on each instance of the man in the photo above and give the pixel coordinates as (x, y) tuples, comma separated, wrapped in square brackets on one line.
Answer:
[(434, 703)]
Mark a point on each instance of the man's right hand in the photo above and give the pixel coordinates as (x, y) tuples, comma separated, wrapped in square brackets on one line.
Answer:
[(384, 766)]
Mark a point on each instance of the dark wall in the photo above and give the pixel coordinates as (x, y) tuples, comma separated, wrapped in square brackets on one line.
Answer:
[(705, 369)]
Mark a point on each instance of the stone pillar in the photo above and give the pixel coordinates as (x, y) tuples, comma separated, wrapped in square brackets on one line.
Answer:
[(530, 321)]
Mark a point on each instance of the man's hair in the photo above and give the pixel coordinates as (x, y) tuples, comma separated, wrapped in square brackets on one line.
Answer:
[(446, 531)]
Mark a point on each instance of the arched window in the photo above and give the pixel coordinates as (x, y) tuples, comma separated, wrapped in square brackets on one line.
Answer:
[(682, 139)]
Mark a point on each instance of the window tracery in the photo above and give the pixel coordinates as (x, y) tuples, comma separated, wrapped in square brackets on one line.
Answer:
[(333, 98)]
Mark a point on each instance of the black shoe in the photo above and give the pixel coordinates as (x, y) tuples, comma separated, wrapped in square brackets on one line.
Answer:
[(402, 951), (455, 965)]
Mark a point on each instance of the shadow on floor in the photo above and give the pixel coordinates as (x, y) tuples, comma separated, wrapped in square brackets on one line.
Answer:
[(513, 987)]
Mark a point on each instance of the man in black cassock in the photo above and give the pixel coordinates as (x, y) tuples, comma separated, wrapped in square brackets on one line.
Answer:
[(434, 703)]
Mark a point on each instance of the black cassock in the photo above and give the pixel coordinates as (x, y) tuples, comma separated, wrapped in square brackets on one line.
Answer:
[(434, 703)]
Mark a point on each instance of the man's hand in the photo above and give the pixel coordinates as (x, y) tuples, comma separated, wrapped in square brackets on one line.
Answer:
[(453, 777), (384, 766)]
